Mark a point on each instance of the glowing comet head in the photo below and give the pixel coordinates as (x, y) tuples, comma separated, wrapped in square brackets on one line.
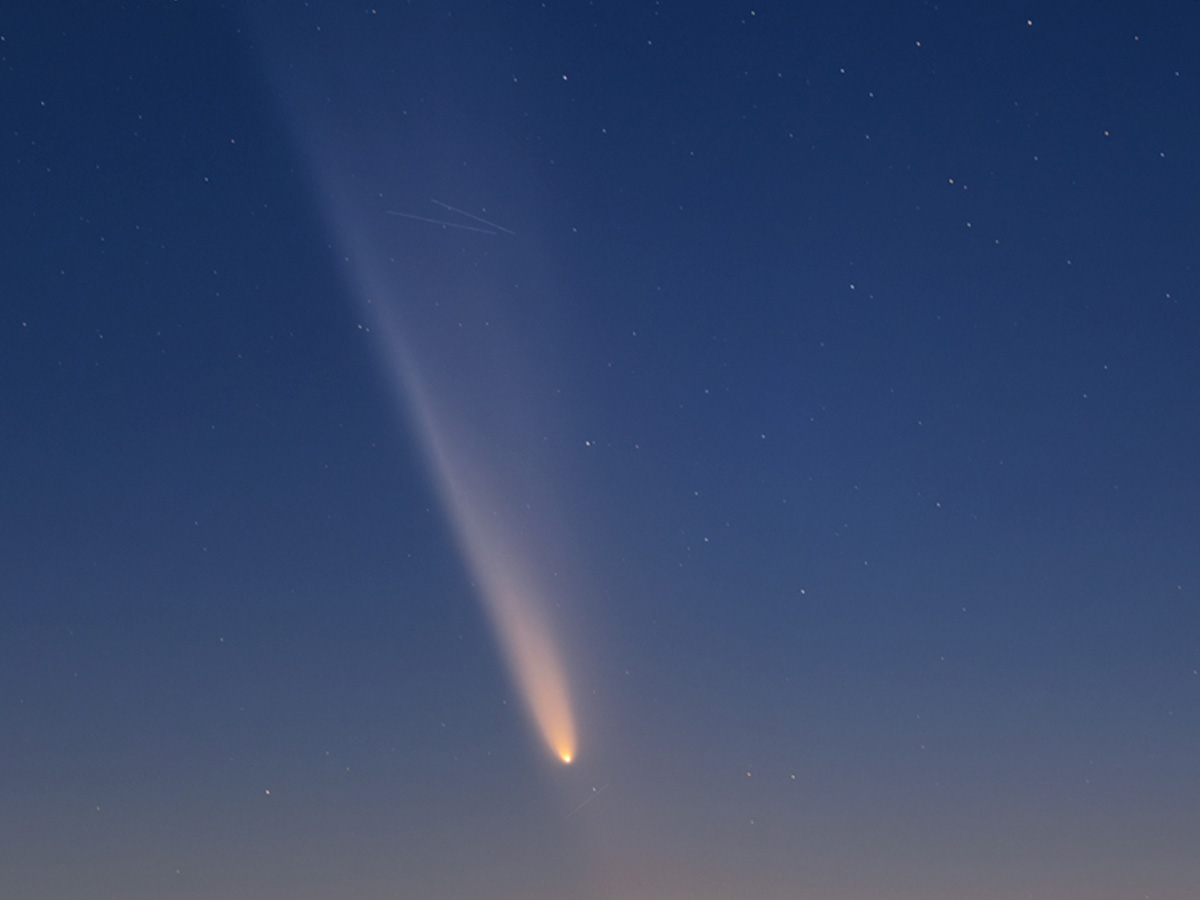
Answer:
[(515, 607), (452, 382), (493, 541), (532, 656)]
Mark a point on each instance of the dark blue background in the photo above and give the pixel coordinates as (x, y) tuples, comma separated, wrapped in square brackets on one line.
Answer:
[(859, 346)]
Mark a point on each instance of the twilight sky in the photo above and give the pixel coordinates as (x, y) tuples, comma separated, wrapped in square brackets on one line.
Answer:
[(790, 412)]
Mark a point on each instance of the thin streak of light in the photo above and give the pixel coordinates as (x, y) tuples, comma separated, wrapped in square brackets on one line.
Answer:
[(404, 215), (593, 796), (463, 212)]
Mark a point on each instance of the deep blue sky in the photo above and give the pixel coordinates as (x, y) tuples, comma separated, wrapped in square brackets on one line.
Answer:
[(840, 379)]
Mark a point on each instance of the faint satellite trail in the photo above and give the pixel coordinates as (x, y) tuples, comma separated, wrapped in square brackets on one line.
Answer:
[(492, 227)]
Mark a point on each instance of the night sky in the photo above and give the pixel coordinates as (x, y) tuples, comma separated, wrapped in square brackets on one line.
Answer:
[(789, 412)]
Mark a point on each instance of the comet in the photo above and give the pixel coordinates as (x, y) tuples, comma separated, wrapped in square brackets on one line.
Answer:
[(489, 536), (496, 543), (514, 605)]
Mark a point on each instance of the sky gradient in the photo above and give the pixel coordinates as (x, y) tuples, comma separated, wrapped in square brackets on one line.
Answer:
[(812, 393)]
